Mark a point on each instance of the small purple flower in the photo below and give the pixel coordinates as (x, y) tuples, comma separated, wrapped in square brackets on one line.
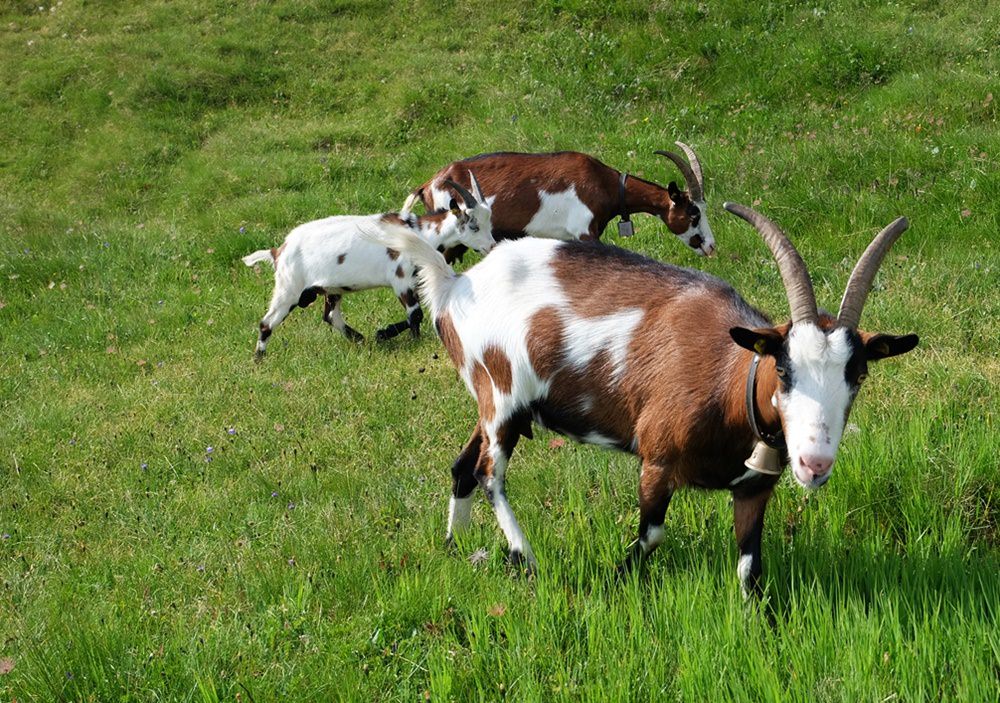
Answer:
[(72, 442), (274, 494), (291, 506), (231, 431), (144, 466), (5, 536), (159, 302), (209, 450), (291, 562), (201, 568), (107, 245), (242, 230)]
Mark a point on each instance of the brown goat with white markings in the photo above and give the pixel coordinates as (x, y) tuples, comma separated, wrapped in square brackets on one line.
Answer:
[(615, 349), (568, 195)]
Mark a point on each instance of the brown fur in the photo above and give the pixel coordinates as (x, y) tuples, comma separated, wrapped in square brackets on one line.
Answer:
[(484, 392), (340, 259), (409, 298), (747, 510), (399, 271), (697, 428), (392, 254), (452, 344), (515, 179), (545, 341), (498, 365)]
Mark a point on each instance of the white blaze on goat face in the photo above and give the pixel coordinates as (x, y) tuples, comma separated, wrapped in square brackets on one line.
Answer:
[(815, 406), (476, 228), (699, 235)]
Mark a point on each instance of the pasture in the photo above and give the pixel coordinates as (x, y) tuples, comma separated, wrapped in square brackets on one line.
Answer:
[(178, 523)]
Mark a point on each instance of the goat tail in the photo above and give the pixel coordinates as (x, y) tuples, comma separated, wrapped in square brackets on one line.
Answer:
[(434, 274), (259, 256)]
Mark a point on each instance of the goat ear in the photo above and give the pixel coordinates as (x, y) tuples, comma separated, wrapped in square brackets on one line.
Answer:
[(672, 190), (882, 346), (766, 341)]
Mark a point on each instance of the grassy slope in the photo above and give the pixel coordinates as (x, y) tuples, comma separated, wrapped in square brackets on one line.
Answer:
[(148, 145)]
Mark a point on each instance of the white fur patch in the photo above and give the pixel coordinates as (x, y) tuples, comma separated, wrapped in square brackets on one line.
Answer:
[(459, 514), (654, 538), (743, 570), (815, 408), (599, 439), (587, 337), (705, 230), (560, 215)]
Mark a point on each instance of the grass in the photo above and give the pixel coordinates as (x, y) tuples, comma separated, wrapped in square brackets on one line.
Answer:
[(147, 146)]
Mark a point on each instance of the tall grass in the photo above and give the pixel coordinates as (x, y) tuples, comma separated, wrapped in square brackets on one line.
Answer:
[(147, 146)]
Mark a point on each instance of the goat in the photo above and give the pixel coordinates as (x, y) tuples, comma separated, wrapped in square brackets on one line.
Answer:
[(614, 349), (569, 195), (330, 257)]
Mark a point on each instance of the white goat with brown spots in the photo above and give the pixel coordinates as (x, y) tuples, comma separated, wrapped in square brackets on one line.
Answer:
[(670, 364), (330, 257)]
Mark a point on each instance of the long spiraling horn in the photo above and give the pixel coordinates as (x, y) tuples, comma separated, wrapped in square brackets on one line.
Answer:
[(467, 197), (693, 184), (695, 167), (798, 286), (863, 275)]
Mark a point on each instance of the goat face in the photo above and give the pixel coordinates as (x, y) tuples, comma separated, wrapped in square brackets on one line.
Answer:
[(686, 219), (820, 368), (473, 226)]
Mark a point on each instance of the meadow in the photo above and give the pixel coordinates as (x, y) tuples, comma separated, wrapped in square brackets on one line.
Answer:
[(178, 523)]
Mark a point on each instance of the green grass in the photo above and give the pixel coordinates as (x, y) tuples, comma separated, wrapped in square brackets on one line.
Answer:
[(147, 146)]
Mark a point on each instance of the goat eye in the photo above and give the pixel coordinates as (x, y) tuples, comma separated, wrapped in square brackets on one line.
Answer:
[(862, 377), (780, 370)]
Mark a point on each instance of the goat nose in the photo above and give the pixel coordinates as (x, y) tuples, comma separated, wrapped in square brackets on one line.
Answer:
[(818, 466)]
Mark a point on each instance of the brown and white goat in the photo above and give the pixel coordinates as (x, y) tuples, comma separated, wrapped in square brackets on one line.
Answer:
[(569, 195), (615, 349), (331, 257)]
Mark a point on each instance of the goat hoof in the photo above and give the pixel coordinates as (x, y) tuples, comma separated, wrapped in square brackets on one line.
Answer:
[(524, 565), (382, 336), (258, 356), (634, 561)]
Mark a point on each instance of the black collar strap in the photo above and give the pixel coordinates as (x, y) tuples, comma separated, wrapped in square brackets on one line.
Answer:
[(621, 197), (776, 440)]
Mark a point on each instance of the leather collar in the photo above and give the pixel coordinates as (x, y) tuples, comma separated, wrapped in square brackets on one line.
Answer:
[(776, 440), (621, 197)]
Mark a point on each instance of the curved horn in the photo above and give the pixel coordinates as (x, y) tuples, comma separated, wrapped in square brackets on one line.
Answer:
[(693, 185), (863, 275), (476, 190), (695, 167), (470, 201), (798, 286)]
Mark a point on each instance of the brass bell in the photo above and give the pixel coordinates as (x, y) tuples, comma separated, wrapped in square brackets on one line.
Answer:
[(764, 459)]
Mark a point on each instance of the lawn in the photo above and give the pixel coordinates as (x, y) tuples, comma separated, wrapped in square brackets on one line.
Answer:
[(179, 523)]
